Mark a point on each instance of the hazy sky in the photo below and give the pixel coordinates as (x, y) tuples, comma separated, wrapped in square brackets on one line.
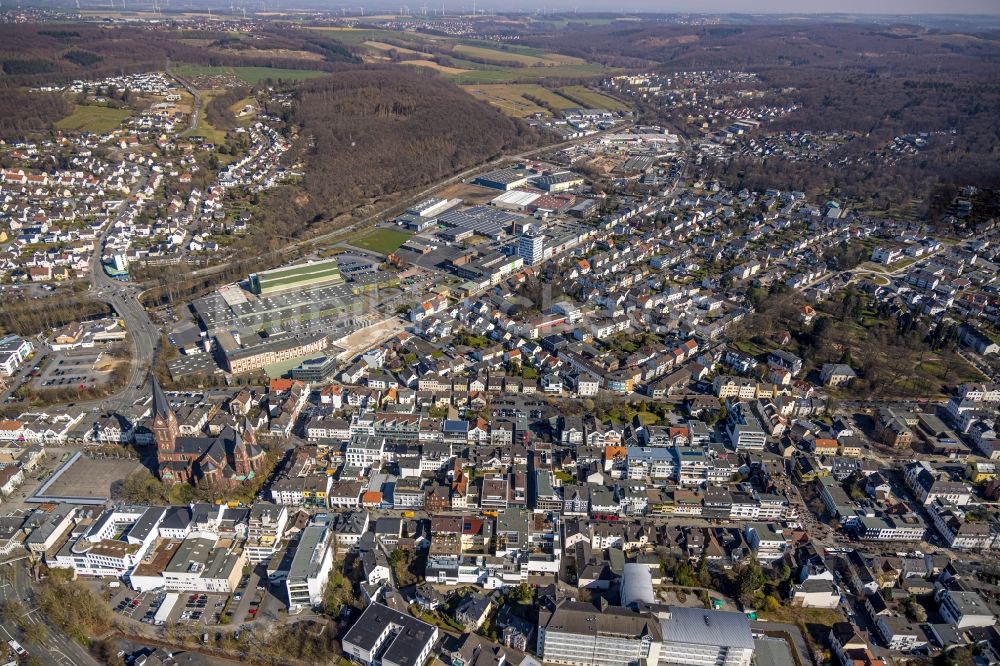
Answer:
[(785, 6), (858, 6)]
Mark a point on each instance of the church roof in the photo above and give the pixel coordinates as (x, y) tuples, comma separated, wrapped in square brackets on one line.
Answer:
[(161, 406)]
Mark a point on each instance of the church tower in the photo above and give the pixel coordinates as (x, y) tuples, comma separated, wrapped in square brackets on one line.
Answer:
[(165, 428), (241, 453)]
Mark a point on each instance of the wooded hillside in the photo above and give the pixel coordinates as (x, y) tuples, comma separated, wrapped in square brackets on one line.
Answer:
[(379, 130), (33, 54)]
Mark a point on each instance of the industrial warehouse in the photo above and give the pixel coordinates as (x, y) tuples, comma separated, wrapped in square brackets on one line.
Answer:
[(300, 276)]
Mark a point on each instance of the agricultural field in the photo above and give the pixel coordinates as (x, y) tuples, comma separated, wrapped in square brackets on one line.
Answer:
[(251, 75), (529, 74), (532, 64), (382, 241), (589, 20), (358, 36), (500, 55), (430, 64), (382, 46), (512, 98), (593, 99), (93, 118)]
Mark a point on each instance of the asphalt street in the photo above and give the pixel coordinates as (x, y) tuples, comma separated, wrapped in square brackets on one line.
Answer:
[(59, 648), (124, 298)]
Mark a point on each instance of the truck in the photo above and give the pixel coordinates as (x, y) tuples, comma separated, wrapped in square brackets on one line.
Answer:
[(167, 605)]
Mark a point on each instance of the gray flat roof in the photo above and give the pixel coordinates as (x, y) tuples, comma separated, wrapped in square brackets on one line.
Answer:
[(411, 634), (309, 552), (696, 626), (773, 651)]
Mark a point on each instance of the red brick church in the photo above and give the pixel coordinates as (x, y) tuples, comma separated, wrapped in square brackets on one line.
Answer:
[(230, 458)]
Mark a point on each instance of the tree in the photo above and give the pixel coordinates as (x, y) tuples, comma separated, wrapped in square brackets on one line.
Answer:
[(684, 575), (749, 579), (521, 594), (914, 610), (73, 607), (703, 576), (141, 487), (36, 632), (106, 653), (960, 656), (11, 613)]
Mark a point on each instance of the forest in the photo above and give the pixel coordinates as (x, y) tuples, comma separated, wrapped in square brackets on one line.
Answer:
[(378, 130), (33, 54), (25, 317)]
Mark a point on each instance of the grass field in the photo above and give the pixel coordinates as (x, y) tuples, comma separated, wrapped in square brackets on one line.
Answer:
[(524, 55), (382, 46), (382, 241), (358, 36), (499, 55), (91, 118), (252, 75), (236, 107), (510, 97), (205, 129), (594, 99)]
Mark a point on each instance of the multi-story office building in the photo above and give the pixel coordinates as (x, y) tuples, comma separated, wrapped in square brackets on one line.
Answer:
[(390, 638), (581, 634), (531, 247), (310, 567), (267, 524)]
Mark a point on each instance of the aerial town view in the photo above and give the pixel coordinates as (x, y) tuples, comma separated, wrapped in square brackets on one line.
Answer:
[(500, 334)]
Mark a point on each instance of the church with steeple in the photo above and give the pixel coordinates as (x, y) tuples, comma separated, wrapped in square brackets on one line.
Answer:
[(230, 458)]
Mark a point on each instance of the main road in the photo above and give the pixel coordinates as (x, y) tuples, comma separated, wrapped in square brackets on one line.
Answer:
[(197, 101), (123, 297), (57, 648)]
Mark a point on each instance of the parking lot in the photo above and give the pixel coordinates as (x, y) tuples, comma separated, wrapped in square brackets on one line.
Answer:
[(251, 599), (197, 608), (79, 369), (137, 605), (191, 608)]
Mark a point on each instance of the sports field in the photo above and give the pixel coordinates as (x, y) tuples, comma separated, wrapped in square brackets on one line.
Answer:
[(92, 118), (383, 241)]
